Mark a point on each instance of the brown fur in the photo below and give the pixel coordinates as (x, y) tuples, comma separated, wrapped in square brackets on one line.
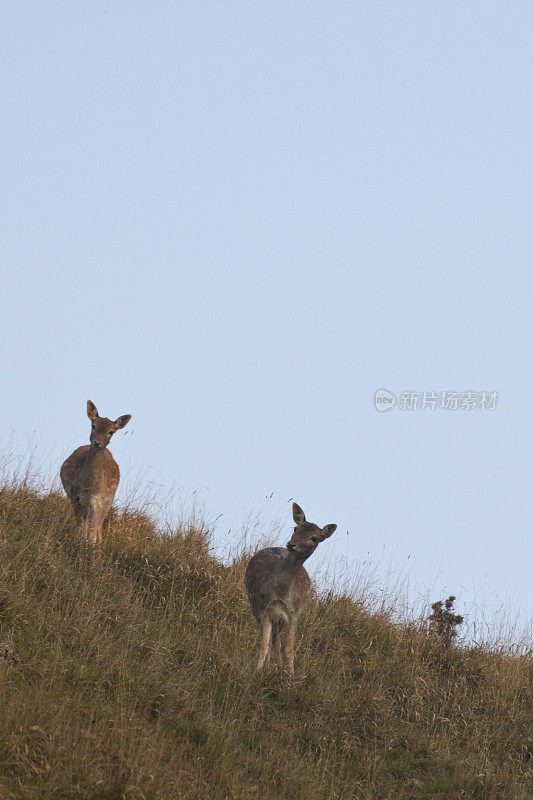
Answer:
[(279, 587), (90, 475)]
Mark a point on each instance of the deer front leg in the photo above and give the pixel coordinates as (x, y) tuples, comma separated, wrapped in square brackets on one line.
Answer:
[(289, 645), (276, 646), (96, 518), (266, 632), (78, 510)]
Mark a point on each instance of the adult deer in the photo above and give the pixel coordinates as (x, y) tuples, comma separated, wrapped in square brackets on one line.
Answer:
[(90, 475), (279, 587)]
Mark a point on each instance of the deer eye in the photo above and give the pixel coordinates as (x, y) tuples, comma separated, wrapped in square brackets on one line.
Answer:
[(314, 538)]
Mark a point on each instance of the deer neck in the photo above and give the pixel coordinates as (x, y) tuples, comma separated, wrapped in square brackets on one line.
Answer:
[(286, 573), (94, 459)]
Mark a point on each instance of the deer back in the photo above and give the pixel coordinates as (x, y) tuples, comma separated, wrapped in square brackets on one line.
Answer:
[(265, 586)]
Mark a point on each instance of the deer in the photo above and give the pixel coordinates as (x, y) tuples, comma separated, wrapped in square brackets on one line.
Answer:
[(90, 475), (279, 588)]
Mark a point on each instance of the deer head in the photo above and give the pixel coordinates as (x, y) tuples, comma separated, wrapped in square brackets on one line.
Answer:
[(306, 536), (102, 428)]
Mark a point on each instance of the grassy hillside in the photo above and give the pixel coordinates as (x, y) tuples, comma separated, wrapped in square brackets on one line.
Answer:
[(130, 676)]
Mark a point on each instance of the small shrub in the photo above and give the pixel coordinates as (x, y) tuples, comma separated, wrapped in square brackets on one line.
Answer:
[(443, 622)]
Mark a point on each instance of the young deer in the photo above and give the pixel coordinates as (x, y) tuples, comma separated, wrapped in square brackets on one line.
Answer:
[(279, 587), (90, 475)]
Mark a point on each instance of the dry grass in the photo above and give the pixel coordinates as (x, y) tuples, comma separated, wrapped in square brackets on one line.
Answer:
[(134, 680)]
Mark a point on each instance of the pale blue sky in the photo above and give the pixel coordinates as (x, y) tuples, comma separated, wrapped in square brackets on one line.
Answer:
[(237, 220)]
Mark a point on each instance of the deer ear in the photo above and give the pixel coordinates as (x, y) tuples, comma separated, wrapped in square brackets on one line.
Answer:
[(297, 514), (327, 530), (92, 411), (121, 422)]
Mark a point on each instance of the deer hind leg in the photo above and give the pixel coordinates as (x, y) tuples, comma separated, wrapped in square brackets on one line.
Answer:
[(266, 633)]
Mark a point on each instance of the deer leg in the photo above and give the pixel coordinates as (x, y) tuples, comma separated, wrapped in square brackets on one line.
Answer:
[(81, 503), (95, 526), (289, 645), (77, 507), (78, 513), (83, 519), (276, 645), (266, 632)]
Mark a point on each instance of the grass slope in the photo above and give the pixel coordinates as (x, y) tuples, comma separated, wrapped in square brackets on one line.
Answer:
[(134, 680)]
